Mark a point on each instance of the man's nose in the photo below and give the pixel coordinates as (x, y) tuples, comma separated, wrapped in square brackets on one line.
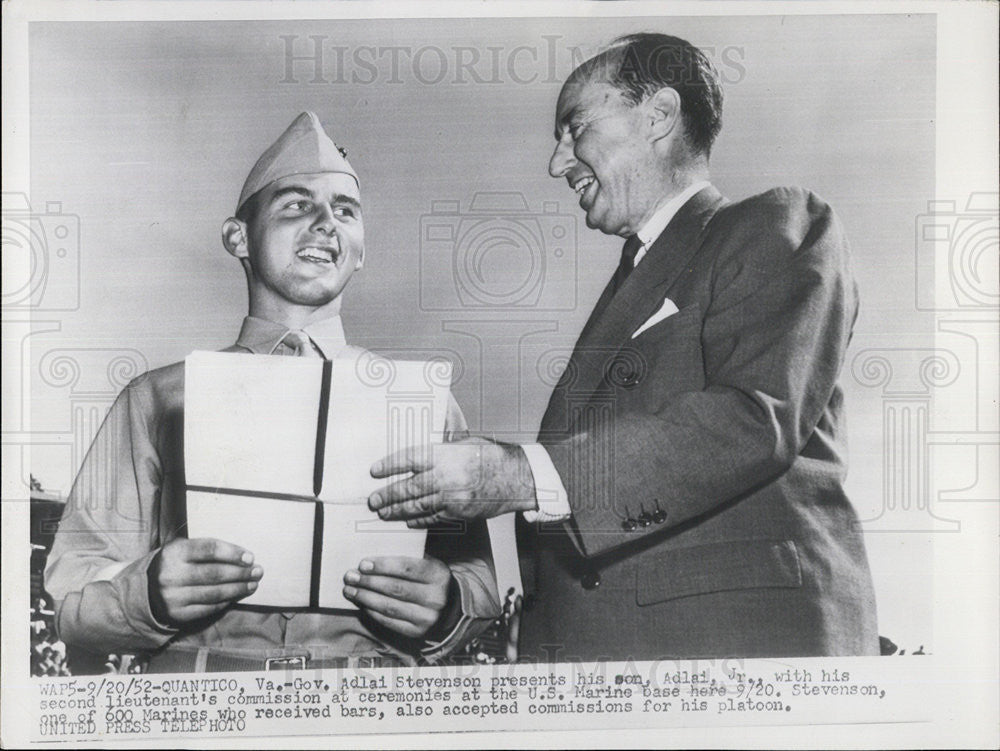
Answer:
[(561, 160), (324, 220)]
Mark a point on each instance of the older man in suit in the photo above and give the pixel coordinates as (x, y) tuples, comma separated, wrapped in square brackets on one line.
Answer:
[(686, 491)]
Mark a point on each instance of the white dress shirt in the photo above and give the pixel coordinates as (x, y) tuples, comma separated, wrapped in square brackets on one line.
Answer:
[(550, 493)]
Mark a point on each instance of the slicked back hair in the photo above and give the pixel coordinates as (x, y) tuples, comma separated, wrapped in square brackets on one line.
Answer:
[(639, 65)]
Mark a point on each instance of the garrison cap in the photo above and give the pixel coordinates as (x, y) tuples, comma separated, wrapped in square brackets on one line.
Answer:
[(303, 149)]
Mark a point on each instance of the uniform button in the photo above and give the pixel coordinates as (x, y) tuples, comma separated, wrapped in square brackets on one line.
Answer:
[(659, 516), (629, 524), (644, 519), (590, 580)]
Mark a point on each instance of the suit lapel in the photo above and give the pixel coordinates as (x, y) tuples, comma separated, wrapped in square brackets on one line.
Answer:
[(617, 315)]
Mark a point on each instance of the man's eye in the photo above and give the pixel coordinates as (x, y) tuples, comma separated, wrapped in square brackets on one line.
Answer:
[(345, 211), (576, 130), (300, 205)]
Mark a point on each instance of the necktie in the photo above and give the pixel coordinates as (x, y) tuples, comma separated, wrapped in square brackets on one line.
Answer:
[(627, 263), (301, 343)]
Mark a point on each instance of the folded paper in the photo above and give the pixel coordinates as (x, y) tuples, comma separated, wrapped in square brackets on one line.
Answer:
[(277, 453)]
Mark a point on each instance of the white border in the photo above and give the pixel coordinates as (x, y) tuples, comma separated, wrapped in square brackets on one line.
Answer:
[(962, 699)]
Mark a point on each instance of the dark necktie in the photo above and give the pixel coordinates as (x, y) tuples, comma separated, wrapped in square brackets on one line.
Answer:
[(627, 263)]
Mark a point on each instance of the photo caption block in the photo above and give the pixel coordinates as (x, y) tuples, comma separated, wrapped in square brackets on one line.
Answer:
[(482, 697)]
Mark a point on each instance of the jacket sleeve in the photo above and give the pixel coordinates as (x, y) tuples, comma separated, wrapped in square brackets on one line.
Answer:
[(467, 551), (773, 333), (96, 571)]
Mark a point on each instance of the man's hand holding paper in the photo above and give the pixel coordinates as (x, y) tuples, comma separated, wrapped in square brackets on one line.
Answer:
[(407, 595), (193, 579)]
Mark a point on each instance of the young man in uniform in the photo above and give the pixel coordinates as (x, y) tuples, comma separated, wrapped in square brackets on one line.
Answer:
[(123, 576)]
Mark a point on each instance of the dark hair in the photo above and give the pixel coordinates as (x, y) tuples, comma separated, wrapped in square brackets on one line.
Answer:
[(248, 210), (639, 65)]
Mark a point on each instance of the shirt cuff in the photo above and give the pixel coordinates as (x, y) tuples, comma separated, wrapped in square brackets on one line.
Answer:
[(553, 501), (434, 651)]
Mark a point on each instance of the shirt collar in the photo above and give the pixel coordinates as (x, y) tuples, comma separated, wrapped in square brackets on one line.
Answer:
[(261, 336), (658, 221)]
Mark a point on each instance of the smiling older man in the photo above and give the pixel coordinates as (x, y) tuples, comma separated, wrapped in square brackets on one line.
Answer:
[(694, 449)]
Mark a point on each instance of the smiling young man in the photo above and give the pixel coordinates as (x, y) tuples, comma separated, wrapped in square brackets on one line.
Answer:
[(125, 579), (694, 450)]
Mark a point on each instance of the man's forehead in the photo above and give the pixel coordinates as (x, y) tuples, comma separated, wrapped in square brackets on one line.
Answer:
[(317, 184), (585, 94)]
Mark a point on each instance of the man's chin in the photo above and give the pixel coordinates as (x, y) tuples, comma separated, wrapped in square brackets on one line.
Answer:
[(313, 297), (594, 222)]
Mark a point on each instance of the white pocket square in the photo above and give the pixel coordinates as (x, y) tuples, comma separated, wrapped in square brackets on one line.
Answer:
[(666, 310)]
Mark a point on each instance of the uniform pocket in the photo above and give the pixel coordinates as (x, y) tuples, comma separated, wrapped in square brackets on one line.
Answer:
[(717, 567)]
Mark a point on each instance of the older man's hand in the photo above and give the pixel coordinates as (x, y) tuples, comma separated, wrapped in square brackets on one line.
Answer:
[(469, 479)]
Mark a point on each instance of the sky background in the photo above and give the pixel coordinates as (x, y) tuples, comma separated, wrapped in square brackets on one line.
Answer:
[(143, 133)]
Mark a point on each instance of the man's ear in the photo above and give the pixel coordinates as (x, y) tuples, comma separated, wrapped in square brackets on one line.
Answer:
[(664, 113), (234, 237)]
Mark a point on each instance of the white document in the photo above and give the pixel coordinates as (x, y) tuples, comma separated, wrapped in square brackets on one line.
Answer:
[(250, 421), (378, 407), (279, 533), (260, 452), (351, 532)]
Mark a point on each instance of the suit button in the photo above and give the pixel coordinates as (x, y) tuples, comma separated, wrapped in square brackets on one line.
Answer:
[(659, 516), (630, 380), (590, 580), (629, 524)]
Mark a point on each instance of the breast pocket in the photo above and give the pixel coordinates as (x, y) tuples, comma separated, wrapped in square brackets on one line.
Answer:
[(663, 360), (682, 322)]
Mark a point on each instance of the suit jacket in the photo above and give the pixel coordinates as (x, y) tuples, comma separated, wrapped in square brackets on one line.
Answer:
[(704, 459)]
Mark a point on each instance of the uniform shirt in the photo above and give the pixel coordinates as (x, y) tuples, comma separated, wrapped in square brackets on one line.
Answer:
[(128, 501)]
